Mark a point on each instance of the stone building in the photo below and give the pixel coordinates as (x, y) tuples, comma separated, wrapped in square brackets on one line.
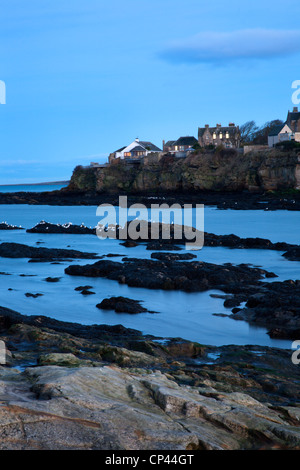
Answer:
[(181, 146), (227, 136)]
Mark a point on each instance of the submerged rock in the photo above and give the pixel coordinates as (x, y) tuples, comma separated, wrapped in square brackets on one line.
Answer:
[(121, 305)]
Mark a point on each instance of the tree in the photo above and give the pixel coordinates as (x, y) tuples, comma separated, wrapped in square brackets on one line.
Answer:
[(248, 132), (252, 134), (261, 136)]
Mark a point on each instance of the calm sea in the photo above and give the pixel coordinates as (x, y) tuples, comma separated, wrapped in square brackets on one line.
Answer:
[(188, 315)]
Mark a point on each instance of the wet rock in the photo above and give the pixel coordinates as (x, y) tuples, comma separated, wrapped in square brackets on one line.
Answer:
[(87, 292), (101, 387), (81, 288), (129, 244), (17, 250), (275, 306), (53, 279), (189, 276), (35, 296), (173, 256), (121, 305), (6, 226), (46, 227), (292, 254)]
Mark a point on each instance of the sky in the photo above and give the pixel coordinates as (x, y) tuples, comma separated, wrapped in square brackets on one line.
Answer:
[(84, 78)]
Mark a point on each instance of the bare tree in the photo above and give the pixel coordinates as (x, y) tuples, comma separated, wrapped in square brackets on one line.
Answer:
[(261, 136), (248, 131)]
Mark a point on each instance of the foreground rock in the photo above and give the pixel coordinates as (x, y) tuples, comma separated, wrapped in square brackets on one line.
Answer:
[(109, 388), (17, 250)]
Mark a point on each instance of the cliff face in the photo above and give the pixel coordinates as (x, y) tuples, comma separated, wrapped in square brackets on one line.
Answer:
[(220, 171)]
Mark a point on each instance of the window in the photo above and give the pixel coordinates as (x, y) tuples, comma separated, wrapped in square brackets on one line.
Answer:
[(227, 135), (221, 135), (214, 136), (127, 154)]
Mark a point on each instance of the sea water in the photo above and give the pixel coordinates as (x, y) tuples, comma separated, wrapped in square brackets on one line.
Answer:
[(191, 316), (32, 188)]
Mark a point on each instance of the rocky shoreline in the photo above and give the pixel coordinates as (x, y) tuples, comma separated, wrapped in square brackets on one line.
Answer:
[(234, 200), (68, 386), (291, 251)]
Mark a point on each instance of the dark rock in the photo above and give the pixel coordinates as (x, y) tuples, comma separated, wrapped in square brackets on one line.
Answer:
[(129, 244), (275, 306), (28, 294), (53, 279), (191, 276), (17, 250), (46, 227), (6, 226), (121, 305), (87, 292), (292, 254), (81, 288), (173, 256)]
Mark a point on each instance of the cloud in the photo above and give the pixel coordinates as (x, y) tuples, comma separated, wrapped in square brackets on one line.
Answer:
[(236, 46)]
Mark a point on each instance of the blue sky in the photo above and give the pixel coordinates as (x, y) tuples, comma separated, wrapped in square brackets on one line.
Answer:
[(84, 78)]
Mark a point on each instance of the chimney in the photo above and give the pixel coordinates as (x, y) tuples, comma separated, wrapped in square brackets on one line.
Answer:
[(231, 124), (219, 125), (295, 109), (163, 144), (206, 126)]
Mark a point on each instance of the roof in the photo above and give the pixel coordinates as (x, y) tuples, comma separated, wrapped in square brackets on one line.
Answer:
[(232, 130), (149, 146), (188, 140), (119, 150), (138, 148), (276, 130), (293, 121), (170, 143)]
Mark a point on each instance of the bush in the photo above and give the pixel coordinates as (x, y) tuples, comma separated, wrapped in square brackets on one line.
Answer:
[(288, 145)]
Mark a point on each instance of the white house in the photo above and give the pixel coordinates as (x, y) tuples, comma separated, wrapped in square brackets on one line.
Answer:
[(137, 149), (279, 134), (290, 130)]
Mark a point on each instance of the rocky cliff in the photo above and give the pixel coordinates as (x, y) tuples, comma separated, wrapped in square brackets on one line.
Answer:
[(221, 170)]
